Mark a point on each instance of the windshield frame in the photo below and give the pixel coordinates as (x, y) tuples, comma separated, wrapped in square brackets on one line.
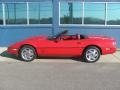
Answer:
[(58, 35)]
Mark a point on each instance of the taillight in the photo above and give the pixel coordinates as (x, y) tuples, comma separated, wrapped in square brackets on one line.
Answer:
[(114, 43)]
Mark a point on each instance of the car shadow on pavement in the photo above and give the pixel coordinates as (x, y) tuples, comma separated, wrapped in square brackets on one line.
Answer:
[(64, 58), (7, 55)]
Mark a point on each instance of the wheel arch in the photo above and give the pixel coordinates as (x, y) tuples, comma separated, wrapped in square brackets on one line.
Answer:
[(93, 46), (28, 45)]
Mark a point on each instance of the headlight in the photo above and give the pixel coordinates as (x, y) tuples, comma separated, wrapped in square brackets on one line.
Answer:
[(14, 49)]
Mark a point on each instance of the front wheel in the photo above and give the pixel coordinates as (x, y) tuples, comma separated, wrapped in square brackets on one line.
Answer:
[(27, 53), (91, 54)]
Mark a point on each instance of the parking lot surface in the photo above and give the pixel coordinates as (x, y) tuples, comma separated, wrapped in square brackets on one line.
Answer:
[(59, 74)]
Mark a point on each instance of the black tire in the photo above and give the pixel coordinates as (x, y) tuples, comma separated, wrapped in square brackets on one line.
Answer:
[(91, 54), (27, 53)]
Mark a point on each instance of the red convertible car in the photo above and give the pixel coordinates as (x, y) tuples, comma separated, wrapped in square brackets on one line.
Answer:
[(88, 48)]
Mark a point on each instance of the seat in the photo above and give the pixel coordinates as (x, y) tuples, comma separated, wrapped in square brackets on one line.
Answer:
[(78, 36)]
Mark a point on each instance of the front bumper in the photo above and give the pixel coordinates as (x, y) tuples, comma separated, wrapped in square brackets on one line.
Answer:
[(12, 51)]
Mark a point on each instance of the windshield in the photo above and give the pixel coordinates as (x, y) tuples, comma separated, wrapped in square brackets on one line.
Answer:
[(58, 35)]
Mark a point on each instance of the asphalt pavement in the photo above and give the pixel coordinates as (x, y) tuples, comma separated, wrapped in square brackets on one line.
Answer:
[(59, 74)]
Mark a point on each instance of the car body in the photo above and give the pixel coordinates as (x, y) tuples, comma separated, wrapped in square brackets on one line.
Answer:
[(63, 45)]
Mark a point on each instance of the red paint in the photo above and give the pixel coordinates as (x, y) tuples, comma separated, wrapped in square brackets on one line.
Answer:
[(69, 46)]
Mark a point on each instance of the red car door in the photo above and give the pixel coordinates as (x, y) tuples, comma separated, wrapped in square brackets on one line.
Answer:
[(63, 48)]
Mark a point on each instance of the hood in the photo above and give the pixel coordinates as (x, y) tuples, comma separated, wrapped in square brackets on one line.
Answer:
[(36, 38), (99, 37)]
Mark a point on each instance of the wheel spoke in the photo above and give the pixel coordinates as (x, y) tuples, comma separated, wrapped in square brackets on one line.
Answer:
[(92, 54), (27, 54)]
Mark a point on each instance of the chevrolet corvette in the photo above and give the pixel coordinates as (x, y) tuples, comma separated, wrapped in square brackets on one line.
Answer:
[(87, 47)]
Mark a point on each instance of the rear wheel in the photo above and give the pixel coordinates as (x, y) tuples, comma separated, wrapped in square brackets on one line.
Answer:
[(27, 53), (91, 54)]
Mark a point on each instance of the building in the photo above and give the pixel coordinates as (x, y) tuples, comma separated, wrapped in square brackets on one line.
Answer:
[(20, 19)]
